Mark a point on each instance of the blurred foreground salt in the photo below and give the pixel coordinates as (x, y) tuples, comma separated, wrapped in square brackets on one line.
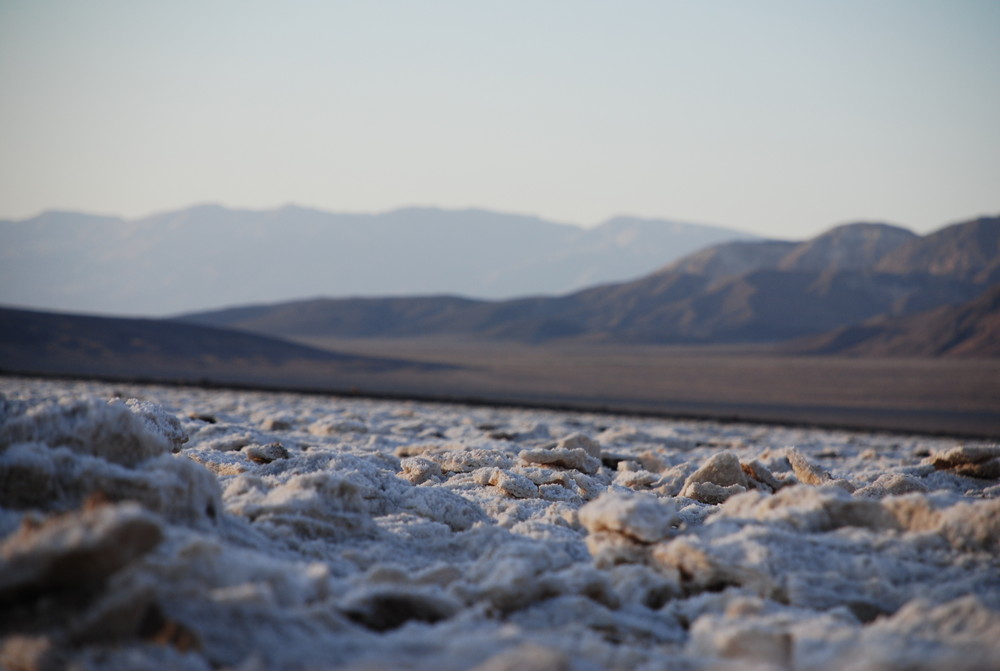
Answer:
[(209, 529)]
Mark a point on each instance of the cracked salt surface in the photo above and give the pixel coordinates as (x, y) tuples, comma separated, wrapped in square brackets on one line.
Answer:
[(213, 529)]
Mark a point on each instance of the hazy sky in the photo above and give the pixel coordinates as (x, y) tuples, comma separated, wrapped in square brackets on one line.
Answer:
[(781, 117)]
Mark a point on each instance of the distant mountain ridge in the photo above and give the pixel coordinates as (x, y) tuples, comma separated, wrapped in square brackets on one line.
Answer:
[(856, 246), (206, 256), (765, 291), (969, 251)]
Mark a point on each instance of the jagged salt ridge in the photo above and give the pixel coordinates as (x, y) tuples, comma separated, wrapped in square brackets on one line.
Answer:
[(183, 528)]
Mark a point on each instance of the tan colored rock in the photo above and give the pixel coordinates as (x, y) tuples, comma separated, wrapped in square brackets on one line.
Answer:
[(971, 461), (723, 469), (759, 472), (527, 657), (30, 653), (805, 470), (265, 454), (720, 477), (969, 526), (652, 461), (743, 641), (275, 424), (963, 454), (973, 526), (576, 458), (913, 513)]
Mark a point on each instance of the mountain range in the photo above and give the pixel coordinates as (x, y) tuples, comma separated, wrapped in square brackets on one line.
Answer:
[(734, 292), (209, 256), (870, 291)]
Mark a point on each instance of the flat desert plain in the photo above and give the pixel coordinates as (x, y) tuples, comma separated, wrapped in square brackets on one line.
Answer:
[(938, 395)]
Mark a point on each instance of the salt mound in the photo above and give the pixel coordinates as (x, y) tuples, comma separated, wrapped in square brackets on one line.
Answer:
[(56, 454), (110, 431)]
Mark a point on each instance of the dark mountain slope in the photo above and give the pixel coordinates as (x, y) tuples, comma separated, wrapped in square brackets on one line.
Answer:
[(760, 306), (849, 247), (732, 258), (971, 329), (967, 251), (42, 342)]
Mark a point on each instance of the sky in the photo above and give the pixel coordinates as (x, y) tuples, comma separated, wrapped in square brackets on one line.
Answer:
[(781, 118)]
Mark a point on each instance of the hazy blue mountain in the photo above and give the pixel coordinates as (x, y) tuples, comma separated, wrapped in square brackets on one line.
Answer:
[(208, 256)]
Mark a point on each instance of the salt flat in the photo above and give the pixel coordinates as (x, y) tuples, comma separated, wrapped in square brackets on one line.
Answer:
[(153, 527)]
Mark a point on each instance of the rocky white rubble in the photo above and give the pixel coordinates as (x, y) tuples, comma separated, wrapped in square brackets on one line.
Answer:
[(184, 528)]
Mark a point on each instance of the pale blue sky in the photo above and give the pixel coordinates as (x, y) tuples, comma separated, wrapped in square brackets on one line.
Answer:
[(778, 117)]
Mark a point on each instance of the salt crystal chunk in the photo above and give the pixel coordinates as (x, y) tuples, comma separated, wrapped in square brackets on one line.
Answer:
[(158, 420), (759, 472), (636, 479), (972, 461), (109, 431), (576, 458), (717, 479), (642, 517), (513, 484), (418, 470), (578, 440), (805, 470)]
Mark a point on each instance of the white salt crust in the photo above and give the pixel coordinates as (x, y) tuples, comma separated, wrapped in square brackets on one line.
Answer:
[(182, 528)]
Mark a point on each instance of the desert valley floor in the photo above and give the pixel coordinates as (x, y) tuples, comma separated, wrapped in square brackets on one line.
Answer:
[(148, 527)]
